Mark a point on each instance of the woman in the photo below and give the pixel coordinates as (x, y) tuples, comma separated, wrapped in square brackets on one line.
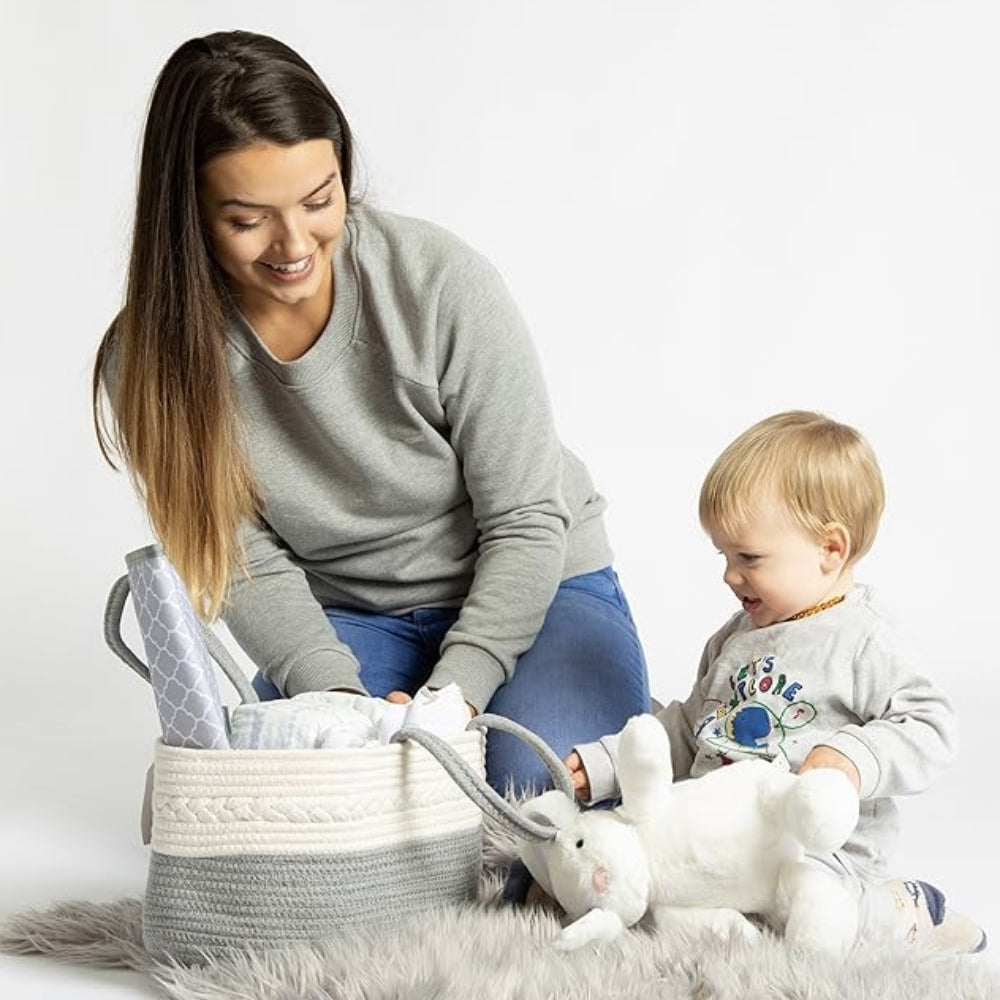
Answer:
[(339, 428)]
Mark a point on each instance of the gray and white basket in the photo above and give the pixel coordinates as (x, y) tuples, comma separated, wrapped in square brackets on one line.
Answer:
[(260, 848)]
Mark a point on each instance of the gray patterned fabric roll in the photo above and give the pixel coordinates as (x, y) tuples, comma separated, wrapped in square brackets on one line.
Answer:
[(180, 668)]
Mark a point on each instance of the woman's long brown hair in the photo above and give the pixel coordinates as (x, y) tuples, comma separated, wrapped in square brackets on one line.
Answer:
[(162, 363)]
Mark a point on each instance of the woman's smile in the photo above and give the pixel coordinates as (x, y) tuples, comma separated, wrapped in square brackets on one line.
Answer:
[(298, 270)]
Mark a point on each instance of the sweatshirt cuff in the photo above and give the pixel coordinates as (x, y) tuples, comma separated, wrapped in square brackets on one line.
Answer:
[(474, 670), (598, 760), (859, 754), (323, 670)]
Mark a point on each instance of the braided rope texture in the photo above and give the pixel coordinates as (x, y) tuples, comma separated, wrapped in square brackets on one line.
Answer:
[(230, 803)]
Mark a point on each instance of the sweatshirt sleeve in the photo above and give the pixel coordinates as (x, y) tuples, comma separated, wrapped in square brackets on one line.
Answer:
[(275, 618), (910, 735), (681, 718), (501, 428)]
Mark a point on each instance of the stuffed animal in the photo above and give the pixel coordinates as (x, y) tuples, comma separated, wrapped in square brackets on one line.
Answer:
[(701, 853)]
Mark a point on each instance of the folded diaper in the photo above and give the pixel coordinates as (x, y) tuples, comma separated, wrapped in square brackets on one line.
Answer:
[(337, 719), (442, 711)]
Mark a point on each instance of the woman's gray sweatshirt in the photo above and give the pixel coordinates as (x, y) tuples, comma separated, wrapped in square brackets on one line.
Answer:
[(409, 459)]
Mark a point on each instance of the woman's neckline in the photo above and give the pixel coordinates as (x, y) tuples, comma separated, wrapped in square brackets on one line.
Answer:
[(326, 347)]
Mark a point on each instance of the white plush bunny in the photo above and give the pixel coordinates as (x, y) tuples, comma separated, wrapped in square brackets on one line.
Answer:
[(699, 853)]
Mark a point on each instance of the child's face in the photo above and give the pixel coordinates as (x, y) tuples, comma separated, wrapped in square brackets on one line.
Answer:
[(776, 569)]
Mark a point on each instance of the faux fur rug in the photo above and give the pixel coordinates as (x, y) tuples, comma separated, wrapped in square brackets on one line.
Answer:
[(488, 950)]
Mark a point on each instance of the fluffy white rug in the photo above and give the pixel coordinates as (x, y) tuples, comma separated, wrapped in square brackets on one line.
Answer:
[(487, 950)]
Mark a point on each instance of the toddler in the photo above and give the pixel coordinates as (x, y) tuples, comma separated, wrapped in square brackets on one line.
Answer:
[(807, 669)]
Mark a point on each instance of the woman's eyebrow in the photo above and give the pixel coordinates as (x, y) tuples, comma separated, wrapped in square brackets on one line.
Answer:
[(241, 203)]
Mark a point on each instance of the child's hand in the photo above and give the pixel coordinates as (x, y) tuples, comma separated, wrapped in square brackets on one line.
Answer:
[(824, 756), (578, 775)]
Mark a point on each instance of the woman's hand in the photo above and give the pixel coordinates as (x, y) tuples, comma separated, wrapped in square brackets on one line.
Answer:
[(824, 756), (578, 776)]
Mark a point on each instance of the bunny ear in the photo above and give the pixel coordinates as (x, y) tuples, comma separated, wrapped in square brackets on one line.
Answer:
[(537, 817), (552, 808)]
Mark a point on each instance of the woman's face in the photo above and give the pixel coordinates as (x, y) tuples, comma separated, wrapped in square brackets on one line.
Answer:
[(275, 215)]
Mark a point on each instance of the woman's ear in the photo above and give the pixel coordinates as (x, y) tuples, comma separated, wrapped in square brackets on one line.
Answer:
[(835, 547)]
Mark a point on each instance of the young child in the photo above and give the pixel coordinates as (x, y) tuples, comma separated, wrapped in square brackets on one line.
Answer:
[(807, 669)]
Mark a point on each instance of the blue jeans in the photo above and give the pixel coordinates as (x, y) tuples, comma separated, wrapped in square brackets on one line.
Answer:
[(584, 677)]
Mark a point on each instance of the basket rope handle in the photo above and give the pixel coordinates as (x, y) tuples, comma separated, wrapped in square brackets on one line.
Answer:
[(476, 788), (113, 611)]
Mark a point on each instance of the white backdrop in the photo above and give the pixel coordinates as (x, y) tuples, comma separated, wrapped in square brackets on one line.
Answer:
[(708, 211)]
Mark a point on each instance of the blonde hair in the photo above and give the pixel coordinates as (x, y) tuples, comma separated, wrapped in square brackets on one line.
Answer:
[(821, 470)]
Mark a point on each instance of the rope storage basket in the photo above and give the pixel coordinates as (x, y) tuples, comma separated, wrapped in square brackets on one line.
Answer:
[(259, 848)]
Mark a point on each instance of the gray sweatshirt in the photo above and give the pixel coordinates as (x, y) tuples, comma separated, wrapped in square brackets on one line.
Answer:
[(408, 459), (834, 678)]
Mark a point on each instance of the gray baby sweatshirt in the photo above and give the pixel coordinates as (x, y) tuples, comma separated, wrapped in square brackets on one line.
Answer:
[(835, 678), (409, 459)]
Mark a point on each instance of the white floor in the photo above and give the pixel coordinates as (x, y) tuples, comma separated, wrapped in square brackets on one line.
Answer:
[(38, 979), (50, 855)]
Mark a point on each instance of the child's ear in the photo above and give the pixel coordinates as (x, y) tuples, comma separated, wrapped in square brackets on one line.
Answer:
[(835, 547)]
